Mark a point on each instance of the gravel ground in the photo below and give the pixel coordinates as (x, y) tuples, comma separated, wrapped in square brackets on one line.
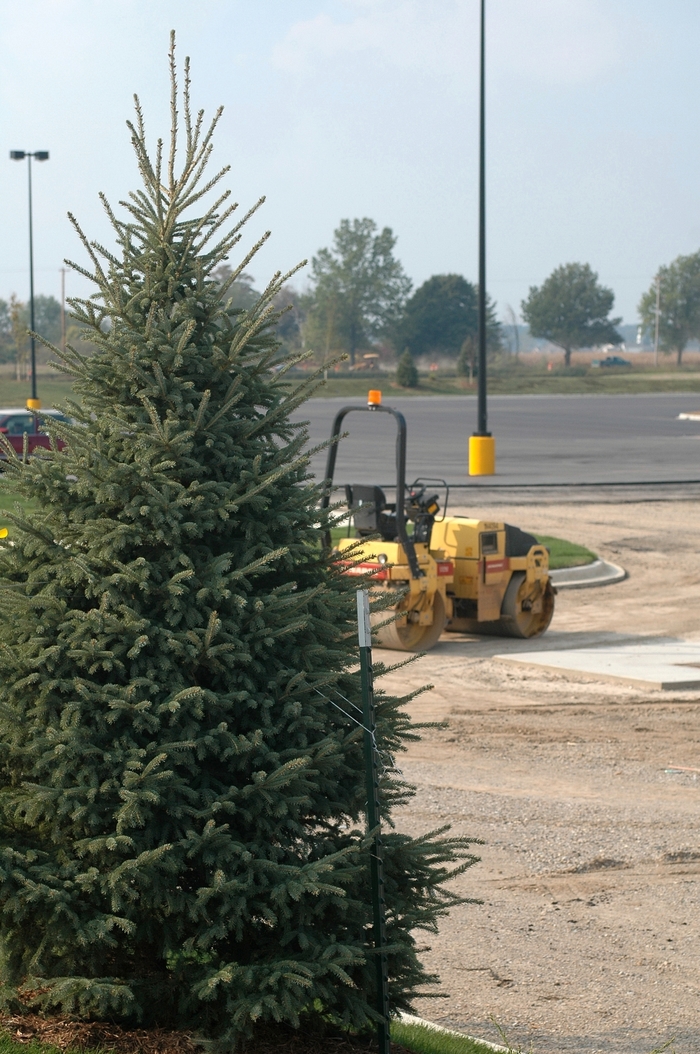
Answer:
[(588, 936)]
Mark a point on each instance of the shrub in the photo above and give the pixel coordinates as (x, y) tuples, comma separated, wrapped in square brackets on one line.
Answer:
[(406, 371)]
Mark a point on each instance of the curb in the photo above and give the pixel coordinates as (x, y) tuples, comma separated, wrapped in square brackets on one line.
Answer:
[(586, 576), (411, 1019)]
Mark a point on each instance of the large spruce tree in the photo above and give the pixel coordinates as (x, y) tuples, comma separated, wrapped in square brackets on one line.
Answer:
[(181, 785)]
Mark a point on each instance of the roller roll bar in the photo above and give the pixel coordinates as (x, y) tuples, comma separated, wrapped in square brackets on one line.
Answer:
[(403, 536)]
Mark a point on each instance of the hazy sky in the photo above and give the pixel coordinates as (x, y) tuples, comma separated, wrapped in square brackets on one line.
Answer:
[(349, 108)]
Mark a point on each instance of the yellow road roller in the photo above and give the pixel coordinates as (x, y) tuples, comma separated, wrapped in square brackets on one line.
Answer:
[(445, 572)]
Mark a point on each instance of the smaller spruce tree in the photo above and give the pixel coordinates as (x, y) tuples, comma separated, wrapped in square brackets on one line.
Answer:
[(406, 371)]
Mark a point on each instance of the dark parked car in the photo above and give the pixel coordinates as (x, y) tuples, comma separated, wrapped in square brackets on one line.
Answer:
[(611, 360), (14, 424)]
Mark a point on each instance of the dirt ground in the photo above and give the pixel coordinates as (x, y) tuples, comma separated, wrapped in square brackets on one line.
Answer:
[(588, 936)]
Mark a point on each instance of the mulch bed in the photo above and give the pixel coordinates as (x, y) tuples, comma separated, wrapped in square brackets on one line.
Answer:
[(81, 1035)]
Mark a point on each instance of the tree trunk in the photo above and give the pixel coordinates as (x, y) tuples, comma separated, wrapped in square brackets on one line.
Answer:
[(680, 355), (567, 356), (352, 344)]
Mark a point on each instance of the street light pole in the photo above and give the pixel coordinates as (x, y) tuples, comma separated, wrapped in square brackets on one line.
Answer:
[(656, 322), (39, 155), (482, 418), (482, 445)]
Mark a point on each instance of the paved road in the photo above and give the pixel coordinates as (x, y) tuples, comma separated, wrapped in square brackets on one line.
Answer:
[(548, 439)]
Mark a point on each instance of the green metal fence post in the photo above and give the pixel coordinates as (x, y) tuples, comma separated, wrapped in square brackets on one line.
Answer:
[(372, 783)]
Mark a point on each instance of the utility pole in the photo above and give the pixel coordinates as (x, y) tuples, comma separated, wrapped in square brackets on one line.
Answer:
[(63, 308), (482, 445), (656, 321)]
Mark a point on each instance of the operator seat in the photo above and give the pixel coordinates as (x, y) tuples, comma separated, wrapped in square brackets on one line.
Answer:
[(372, 513)]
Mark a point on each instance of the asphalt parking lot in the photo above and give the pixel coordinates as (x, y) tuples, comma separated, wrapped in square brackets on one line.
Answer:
[(541, 440)]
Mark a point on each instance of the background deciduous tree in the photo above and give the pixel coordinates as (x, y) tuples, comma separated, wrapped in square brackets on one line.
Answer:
[(511, 333), (47, 318), (14, 326), (443, 313), (6, 339), (571, 310), (467, 363), (289, 327), (20, 337), (439, 316), (358, 287), (679, 304), (241, 294)]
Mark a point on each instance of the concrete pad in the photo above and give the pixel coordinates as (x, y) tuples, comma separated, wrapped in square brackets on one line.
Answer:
[(661, 662)]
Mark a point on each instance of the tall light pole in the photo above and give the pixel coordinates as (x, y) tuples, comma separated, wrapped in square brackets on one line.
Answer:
[(39, 155), (656, 321), (482, 445)]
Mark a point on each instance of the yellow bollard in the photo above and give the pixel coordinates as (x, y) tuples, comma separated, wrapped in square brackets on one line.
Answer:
[(482, 456)]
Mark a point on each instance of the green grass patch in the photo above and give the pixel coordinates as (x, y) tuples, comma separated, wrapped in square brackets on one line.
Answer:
[(563, 553), (421, 1039), (8, 500), (8, 1045), (52, 389)]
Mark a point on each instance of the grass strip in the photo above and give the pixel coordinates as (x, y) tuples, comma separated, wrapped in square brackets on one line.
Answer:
[(54, 389), (8, 1045), (528, 382), (423, 1039)]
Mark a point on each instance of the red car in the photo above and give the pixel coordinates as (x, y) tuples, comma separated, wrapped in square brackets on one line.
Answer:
[(14, 424)]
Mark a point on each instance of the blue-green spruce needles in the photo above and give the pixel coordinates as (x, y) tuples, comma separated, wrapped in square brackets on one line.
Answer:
[(181, 779)]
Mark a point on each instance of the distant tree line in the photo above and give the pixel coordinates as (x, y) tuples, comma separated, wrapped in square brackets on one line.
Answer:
[(571, 309), (14, 329), (678, 297), (360, 299)]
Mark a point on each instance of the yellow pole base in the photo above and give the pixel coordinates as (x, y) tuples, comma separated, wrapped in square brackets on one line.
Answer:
[(34, 404), (482, 456)]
